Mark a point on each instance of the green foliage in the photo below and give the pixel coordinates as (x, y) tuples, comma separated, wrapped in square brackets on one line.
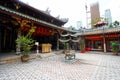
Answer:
[(111, 25), (26, 42), (82, 47), (115, 46), (80, 41), (106, 19), (116, 23), (65, 45), (95, 21)]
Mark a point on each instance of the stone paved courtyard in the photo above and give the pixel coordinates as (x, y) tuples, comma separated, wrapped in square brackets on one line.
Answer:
[(88, 66)]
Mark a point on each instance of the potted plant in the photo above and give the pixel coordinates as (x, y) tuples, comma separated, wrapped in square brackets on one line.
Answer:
[(26, 43), (115, 47)]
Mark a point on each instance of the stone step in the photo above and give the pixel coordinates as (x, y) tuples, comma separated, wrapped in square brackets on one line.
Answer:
[(16, 59)]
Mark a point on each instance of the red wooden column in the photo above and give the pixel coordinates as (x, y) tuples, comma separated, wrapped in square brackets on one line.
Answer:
[(92, 43), (119, 40), (104, 43), (57, 42)]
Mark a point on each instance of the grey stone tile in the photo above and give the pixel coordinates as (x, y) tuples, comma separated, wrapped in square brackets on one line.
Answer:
[(88, 66)]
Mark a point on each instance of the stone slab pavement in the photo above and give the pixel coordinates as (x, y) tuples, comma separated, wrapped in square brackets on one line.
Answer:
[(87, 66)]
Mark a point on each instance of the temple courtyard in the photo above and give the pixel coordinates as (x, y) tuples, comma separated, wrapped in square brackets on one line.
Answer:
[(86, 66)]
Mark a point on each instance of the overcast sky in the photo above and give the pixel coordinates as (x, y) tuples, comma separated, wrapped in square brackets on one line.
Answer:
[(75, 9)]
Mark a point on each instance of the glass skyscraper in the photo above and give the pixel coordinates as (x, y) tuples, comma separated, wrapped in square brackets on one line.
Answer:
[(108, 16)]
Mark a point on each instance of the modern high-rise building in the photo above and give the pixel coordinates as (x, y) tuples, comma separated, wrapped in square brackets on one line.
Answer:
[(88, 18), (79, 24), (108, 16), (95, 13)]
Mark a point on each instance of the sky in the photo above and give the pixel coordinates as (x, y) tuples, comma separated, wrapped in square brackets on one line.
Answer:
[(75, 9)]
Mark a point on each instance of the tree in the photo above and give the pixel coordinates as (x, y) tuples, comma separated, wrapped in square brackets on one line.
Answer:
[(106, 19), (111, 25), (71, 28), (95, 21), (82, 46), (116, 23)]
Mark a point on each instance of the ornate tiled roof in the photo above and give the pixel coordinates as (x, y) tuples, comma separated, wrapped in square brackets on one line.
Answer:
[(100, 23), (101, 30), (31, 18)]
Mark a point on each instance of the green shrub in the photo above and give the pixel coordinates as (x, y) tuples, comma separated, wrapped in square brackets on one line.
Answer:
[(115, 46)]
